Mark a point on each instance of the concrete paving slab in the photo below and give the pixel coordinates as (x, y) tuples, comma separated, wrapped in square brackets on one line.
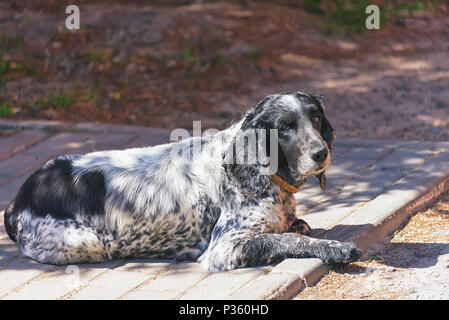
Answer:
[(373, 186), (179, 278), (2, 227), (18, 165), (18, 273), (269, 287), (149, 293), (221, 285), (19, 141), (111, 285), (151, 267), (8, 250), (49, 282)]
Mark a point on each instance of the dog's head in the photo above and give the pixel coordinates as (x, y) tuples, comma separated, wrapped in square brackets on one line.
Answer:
[(304, 142)]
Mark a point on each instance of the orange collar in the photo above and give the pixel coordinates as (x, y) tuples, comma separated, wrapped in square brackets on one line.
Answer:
[(284, 185)]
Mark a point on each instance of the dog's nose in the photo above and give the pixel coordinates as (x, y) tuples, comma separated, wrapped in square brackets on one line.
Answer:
[(320, 156)]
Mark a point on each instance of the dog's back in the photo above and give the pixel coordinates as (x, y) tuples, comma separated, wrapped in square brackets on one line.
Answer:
[(152, 201)]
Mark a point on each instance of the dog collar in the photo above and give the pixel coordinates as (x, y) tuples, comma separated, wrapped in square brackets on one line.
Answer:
[(284, 185)]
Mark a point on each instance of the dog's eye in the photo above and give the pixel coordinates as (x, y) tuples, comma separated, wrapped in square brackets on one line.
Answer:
[(284, 127), (316, 120)]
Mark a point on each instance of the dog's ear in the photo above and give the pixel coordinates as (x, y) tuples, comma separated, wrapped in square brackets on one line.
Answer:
[(327, 131), (322, 178), (328, 135), (243, 166)]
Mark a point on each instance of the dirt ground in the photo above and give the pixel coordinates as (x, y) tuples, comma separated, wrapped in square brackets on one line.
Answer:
[(413, 263), (166, 64)]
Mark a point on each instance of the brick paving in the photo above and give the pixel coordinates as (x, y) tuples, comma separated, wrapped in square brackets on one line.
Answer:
[(373, 186)]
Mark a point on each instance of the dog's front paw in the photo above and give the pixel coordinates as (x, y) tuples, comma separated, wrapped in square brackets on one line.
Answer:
[(301, 227), (341, 252)]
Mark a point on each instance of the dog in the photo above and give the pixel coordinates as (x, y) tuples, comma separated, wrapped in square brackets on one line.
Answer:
[(156, 202)]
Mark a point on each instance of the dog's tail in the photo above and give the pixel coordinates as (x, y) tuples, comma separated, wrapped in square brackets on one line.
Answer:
[(10, 220)]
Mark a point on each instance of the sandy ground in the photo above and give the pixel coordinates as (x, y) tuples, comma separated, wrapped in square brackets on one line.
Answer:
[(413, 263)]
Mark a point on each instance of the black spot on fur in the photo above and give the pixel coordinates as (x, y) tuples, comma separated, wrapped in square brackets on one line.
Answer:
[(10, 219), (52, 190)]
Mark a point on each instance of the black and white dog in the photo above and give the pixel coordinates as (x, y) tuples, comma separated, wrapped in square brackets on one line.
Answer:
[(156, 202)]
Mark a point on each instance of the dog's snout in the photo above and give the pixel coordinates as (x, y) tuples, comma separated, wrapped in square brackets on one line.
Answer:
[(320, 156)]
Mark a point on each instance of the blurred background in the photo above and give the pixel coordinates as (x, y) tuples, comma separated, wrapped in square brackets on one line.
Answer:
[(166, 63)]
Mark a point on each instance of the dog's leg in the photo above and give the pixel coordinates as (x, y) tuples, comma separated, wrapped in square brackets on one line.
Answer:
[(234, 250), (270, 248), (301, 227), (59, 242)]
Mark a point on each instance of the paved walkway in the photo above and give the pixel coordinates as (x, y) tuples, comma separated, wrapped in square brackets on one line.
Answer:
[(373, 186)]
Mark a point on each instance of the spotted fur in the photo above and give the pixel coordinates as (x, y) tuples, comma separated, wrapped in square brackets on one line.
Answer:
[(182, 200)]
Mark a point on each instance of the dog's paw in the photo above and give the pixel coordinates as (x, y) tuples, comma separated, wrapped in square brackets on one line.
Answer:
[(301, 227), (341, 252)]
